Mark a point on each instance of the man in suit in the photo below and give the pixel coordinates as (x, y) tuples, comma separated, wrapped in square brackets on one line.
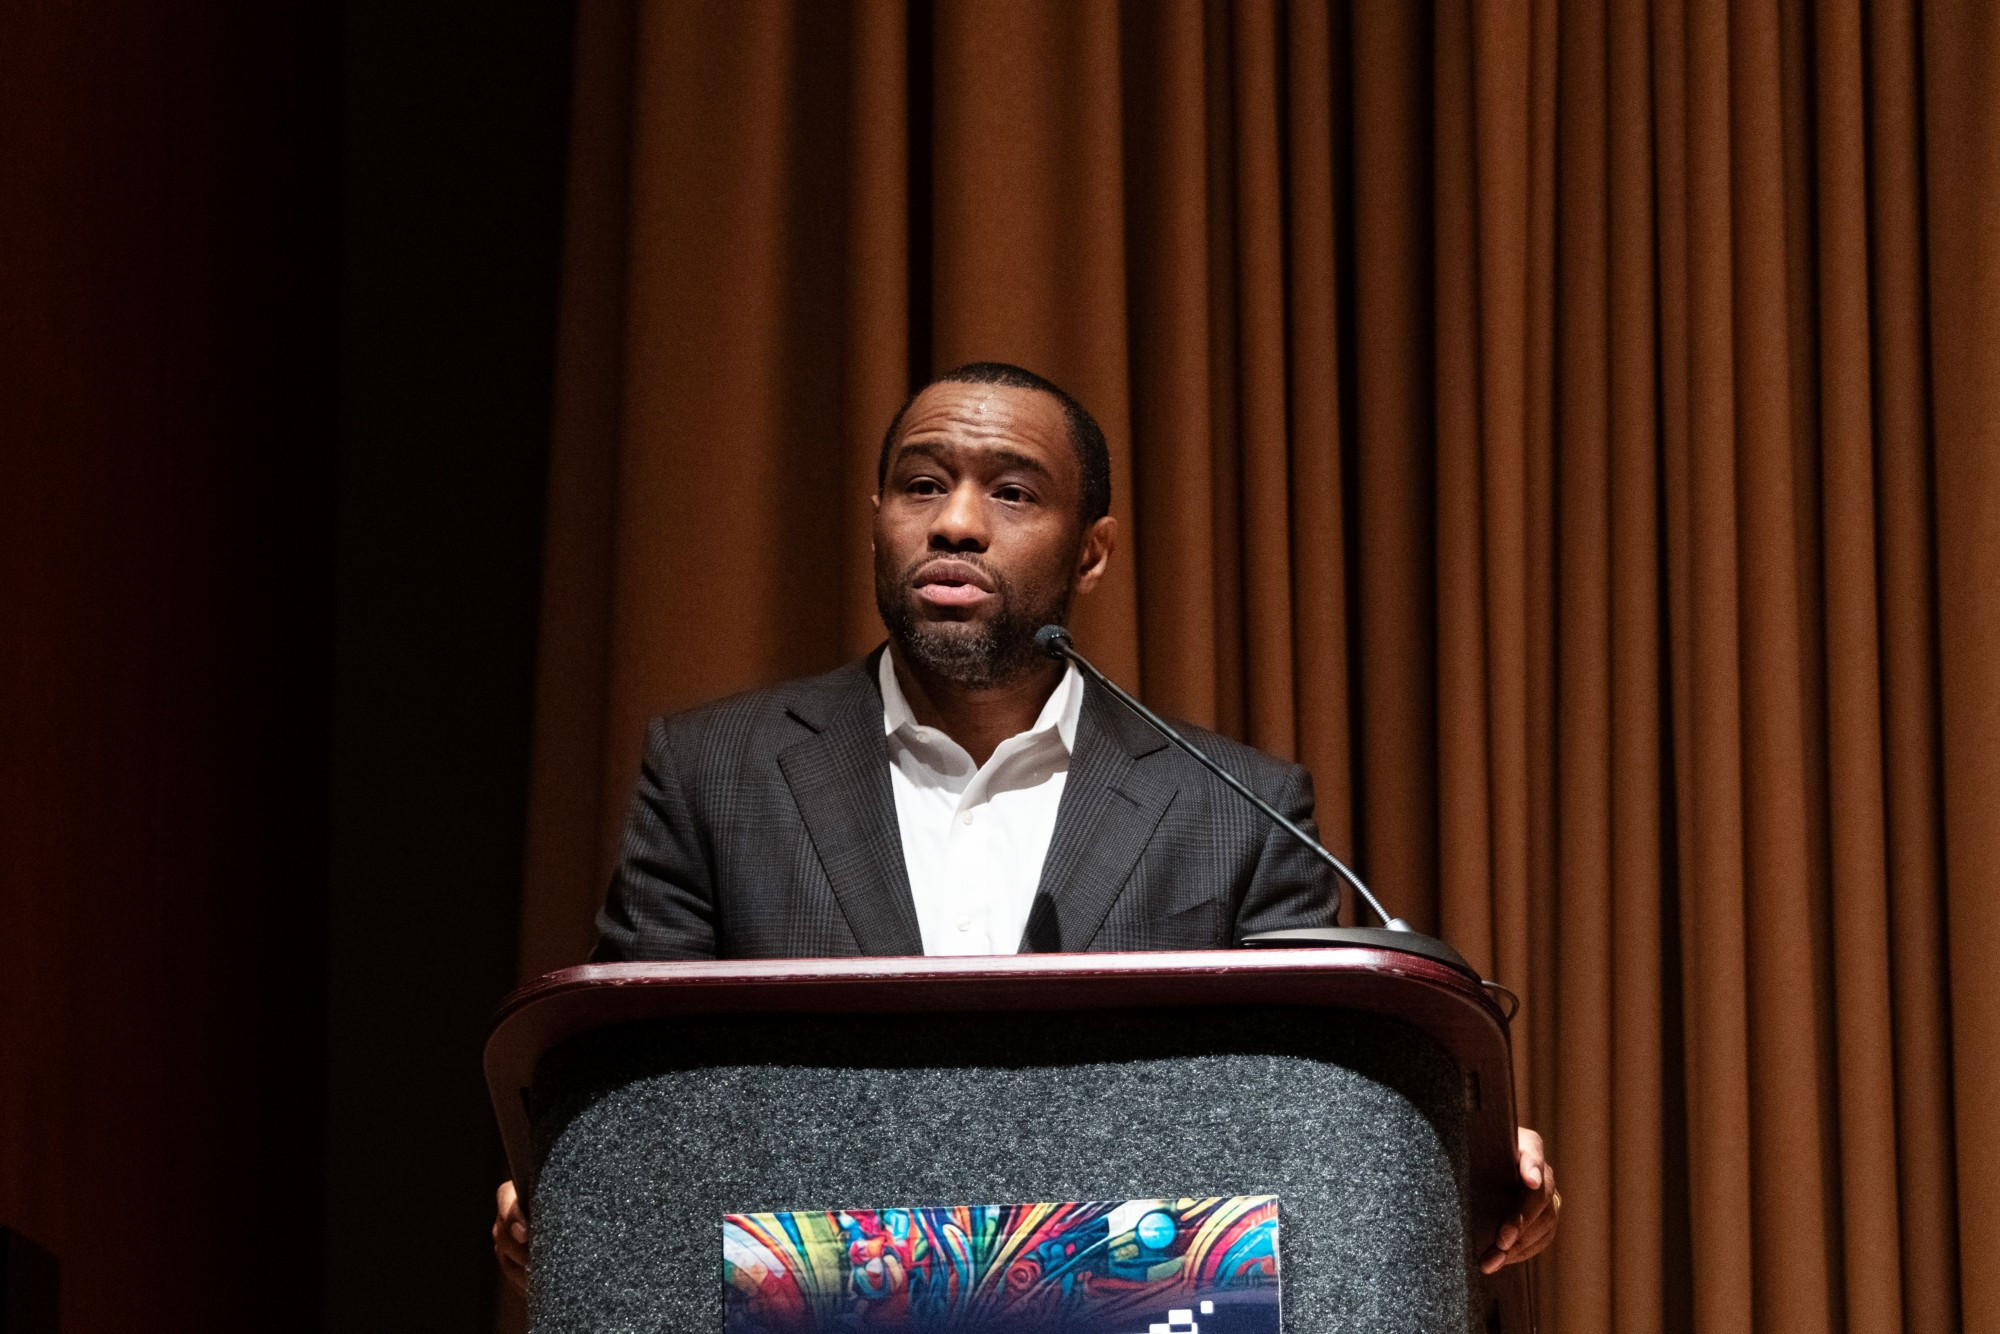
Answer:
[(957, 791)]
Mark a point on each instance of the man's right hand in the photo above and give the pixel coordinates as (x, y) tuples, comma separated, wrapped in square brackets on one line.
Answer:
[(510, 1237)]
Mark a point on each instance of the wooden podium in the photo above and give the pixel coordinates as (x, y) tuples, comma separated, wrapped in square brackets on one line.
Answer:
[(1370, 1089)]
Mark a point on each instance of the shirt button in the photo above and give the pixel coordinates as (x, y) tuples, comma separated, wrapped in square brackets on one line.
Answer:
[(965, 924), (967, 817)]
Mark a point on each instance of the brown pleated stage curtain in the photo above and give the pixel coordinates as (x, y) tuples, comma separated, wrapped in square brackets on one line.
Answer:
[(1571, 429)]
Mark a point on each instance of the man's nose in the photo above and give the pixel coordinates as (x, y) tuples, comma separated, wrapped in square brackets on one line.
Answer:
[(960, 523)]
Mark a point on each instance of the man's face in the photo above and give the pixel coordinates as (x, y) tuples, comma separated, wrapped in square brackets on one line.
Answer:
[(979, 532)]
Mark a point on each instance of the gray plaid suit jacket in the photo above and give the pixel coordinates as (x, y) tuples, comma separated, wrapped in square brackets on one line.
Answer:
[(764, 826)]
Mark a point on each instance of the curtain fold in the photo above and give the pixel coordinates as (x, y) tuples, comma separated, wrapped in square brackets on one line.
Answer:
[(1568, 427)]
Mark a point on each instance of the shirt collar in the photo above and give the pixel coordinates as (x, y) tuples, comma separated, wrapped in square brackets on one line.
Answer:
[(1059, 714)]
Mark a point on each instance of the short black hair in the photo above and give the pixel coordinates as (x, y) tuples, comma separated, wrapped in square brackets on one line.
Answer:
[(1086, 437)]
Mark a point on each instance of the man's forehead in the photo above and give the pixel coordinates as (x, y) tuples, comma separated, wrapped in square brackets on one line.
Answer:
[(986, 410)]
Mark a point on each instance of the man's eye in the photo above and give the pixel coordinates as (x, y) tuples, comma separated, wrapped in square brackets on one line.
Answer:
[(1013, 495), (924, 486)]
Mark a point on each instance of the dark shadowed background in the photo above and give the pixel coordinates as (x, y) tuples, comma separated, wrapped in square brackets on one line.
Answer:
[(278, 309)]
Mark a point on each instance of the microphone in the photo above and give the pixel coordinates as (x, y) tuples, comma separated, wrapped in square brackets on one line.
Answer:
[(1395, 933)]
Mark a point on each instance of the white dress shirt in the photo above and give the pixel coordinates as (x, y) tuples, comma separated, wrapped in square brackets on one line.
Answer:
[(975, 836)]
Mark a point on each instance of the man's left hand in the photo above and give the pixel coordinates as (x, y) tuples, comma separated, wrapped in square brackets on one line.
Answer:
[(1534, 1226)]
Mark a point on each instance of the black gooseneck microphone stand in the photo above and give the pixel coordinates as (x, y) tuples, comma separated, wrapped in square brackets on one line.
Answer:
[(1393, 934)]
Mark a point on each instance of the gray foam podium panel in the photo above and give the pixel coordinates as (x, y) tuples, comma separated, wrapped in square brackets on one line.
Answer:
[(649, 1133)]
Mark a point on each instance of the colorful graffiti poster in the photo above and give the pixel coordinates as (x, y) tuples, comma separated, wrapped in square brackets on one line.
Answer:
[(1126, 1267)]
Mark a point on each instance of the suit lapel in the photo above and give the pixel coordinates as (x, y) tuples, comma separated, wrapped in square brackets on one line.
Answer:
[(839, 777), (1112, 802)]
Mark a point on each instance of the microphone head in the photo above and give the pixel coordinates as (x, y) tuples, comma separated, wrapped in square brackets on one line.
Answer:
[(1053, 640)]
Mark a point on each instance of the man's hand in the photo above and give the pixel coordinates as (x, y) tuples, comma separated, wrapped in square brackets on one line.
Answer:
[(1534, 1227), (510, 1236)]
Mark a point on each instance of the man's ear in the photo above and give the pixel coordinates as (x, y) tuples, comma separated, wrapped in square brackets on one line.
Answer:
[(1099, 539)]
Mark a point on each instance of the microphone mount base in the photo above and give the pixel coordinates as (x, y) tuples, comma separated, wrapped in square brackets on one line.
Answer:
[(1362, 937)]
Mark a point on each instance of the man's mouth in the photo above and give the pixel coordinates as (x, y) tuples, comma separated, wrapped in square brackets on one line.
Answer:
[(952, 583)]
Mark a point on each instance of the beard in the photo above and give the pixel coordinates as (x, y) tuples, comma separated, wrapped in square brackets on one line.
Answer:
[(981, 654)]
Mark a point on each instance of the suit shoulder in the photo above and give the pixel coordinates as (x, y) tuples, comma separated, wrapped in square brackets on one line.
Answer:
[(1264, 772)]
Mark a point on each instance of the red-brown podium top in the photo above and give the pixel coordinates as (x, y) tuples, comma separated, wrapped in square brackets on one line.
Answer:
[(1440, 1001)]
